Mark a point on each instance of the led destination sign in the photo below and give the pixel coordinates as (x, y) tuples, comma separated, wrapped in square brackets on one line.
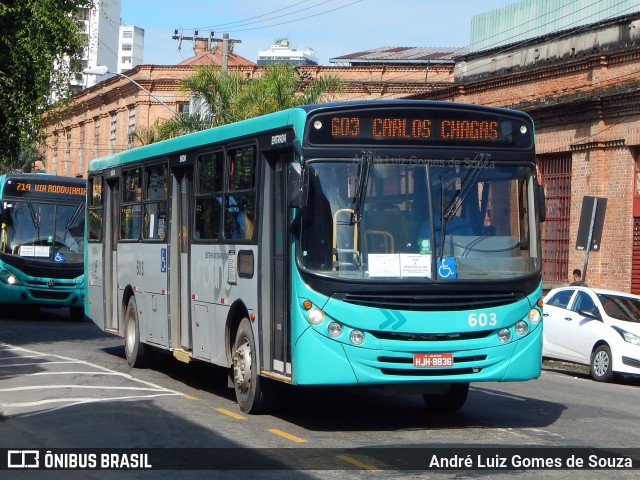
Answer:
[(43, 188), (422, 127)]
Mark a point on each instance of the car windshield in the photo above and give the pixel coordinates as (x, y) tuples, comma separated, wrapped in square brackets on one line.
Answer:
[(621, 307), (372, 218), (44, 231)]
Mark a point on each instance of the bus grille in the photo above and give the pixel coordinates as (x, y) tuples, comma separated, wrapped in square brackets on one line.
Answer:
[(48, 269), (49, 294), (430, 372), (431, 337), (421, 301)]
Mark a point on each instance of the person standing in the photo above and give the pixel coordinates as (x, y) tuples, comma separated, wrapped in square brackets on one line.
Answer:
[(577, 279)]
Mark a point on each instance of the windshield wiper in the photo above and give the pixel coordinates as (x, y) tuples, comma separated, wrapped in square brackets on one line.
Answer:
[(74, 217), (361, 191), (468, 182), (34, 217)]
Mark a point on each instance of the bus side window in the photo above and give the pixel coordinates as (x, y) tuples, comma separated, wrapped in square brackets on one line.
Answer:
[(130, 210), (155, 209), (208, 190), (239, 200)]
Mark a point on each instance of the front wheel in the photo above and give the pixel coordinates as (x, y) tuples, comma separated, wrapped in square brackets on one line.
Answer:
[(602, 364), (246, 381), (448, 402), (133, 347)]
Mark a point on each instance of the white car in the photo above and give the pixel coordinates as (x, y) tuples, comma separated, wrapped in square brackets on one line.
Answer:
[(595, 327)]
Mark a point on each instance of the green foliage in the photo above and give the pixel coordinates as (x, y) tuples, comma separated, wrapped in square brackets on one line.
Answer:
[(35, 35), (228, 97)]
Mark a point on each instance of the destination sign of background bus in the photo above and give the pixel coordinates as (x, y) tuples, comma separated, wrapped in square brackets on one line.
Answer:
[(288, 249)]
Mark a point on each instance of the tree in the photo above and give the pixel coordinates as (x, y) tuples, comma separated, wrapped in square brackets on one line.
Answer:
[(227, 97), (39, 40)]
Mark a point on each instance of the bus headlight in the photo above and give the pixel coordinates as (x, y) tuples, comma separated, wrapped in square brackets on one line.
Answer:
[(315, 316), (534, 315), (334, 329), (522, 328), (9, 278), (356, 337), (504, 335)]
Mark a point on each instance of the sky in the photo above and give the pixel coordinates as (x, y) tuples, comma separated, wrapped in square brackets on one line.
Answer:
[(333, 28)]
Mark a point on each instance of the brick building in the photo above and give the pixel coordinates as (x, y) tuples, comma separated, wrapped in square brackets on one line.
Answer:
[(580, 86)]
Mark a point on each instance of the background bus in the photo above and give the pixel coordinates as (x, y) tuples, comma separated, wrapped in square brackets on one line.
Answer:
[(42, 241), (390, 243)]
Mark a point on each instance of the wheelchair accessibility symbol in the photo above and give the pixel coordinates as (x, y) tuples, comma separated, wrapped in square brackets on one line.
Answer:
[(58, 257), (447, 268)]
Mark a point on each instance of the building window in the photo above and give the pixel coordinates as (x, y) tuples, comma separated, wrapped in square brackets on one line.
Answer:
[(183, 107), (54, 159), (555, 175), (127, 47), (113, 128), (67, 153), (80, 171), (131, 128), (127, 34), (96, 138)]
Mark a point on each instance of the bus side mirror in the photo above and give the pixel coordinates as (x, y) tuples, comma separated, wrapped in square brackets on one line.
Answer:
[(542, 203), (296, 188)]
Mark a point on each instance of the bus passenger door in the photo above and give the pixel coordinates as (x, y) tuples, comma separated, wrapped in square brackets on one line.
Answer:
[(110, 256), (276, 231), (181, 184)]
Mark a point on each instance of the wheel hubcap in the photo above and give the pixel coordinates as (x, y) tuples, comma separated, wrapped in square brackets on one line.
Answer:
[(242, 366), (601, 363), (130, 338)]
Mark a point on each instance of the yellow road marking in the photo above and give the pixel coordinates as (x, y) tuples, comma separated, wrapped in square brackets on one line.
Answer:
[(286, 435), (230, 414), (358, 463), (190, 397)]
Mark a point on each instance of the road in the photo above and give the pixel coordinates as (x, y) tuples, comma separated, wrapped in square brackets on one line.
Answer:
[(65, 384)]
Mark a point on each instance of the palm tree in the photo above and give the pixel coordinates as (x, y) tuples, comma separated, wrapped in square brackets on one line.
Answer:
[(228, 97)]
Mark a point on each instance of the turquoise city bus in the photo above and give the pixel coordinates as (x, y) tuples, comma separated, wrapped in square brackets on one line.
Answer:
[(391, 244), (42, 241)]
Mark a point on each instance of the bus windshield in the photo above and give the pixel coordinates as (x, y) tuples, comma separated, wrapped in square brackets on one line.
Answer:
[(406, 218), (45, 231)]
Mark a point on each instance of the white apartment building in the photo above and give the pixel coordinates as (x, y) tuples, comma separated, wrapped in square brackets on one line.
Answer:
[(130, 47), (100, 26)]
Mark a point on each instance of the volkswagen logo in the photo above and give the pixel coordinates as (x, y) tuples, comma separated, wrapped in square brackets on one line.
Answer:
[(51, 283)]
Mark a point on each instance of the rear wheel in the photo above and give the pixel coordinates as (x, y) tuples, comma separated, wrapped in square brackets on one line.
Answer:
[(133, 347), (602, 364), (246, 381), (448, 402)]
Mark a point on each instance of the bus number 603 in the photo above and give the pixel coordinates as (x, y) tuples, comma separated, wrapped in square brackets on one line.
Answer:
[(482, 319)]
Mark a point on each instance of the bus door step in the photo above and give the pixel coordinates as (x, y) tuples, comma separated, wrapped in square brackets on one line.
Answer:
[(182, 355)]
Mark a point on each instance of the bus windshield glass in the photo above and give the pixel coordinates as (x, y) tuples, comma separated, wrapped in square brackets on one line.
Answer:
[(435, 220), (44, 231)]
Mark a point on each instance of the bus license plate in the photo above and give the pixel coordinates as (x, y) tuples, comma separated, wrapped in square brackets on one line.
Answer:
[(432, 360)]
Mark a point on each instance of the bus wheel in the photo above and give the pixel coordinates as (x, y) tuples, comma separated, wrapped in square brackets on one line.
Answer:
[(448, 402), (76, 313), (133, 347), (245, 375)]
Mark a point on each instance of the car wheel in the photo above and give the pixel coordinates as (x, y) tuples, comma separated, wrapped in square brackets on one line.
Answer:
[(602, 364)]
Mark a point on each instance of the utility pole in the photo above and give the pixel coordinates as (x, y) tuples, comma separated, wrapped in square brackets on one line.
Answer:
[(227, 44)]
